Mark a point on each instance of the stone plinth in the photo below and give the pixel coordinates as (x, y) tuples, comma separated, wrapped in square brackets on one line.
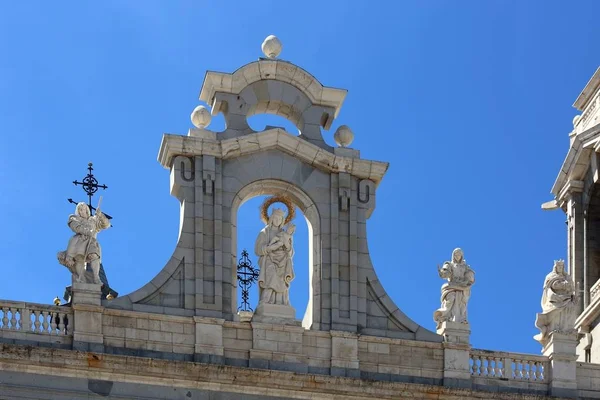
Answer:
[(455, 332), (561, 350), (87, 316), (275, 314), (457, 371), (87, 293)]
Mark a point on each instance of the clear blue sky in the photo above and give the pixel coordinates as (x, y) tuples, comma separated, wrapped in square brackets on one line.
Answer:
[(470, 102)]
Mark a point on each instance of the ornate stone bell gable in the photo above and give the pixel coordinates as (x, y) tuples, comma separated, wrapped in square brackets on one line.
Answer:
[(212, 174)]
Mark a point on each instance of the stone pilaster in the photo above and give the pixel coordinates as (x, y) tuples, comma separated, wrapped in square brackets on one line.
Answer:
[(344, 354), (209, 340), (576, 235), (561, 350), (87, 316), (457, 372)]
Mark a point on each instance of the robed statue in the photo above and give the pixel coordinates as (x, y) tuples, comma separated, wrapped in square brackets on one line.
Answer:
[(275, 249), (83, 249), (559, 304), (455, 292)]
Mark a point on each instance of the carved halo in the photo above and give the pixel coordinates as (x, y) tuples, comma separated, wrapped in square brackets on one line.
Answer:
[(264, 208)]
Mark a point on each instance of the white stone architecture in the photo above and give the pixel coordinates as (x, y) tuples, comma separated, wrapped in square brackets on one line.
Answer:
[(179, 336)]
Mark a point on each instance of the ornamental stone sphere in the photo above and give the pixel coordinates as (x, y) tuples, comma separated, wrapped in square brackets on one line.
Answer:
[(576, 120), (343, 136), (271, 47), (200, 117)]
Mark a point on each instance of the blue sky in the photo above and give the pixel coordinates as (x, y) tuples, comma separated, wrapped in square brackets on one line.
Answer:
[(469, 101)]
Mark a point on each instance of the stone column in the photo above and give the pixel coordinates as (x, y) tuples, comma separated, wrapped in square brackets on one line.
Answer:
[(561, 350), (87, 316), (457, 371)]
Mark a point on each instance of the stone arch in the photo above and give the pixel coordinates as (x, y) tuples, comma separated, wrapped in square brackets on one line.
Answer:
[(272, 87), (309, 209)]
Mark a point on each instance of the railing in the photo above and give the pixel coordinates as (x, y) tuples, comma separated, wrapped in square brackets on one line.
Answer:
[(511, 366), (595, 290), (35, 318)]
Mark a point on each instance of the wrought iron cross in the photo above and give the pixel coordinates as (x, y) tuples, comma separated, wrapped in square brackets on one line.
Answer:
[(246, 275), (90, 187)]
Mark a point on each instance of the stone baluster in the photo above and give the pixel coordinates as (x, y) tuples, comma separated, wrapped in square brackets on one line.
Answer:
[(45, 324), (533, 371), (61, 323), (487, 366), (4, 317), (36, 321), (13, 318), (54, 324), (474, 366), (499, 369)]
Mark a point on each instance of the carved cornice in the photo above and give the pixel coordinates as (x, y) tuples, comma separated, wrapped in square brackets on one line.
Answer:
[(176, 145), (588, 91), (577, 161), (570, 188), (589, 314)]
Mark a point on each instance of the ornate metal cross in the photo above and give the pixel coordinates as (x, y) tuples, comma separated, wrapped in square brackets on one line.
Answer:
[(246, 275), (90, 187)]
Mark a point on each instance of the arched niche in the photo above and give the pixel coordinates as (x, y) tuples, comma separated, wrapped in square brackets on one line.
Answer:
[(273, 187)]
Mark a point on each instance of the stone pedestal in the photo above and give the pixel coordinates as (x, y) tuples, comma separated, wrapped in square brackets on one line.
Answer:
[(561, 350), (87, 310), (209, 340), (275, 314), (457, 371), (344, 354), (245, 316)]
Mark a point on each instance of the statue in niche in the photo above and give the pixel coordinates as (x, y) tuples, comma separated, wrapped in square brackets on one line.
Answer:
[(559, 304), (83, 247), (455, 292), (275, 249)]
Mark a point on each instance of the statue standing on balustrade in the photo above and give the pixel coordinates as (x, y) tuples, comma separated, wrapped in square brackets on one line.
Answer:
[(275, 249), (455, 292), (559, 304), (83, 247)]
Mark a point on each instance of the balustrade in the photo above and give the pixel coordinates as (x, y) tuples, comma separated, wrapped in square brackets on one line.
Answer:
[(500, 365), (35, 318)]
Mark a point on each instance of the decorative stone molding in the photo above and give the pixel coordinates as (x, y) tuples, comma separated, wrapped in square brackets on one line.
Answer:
[(272, 139)]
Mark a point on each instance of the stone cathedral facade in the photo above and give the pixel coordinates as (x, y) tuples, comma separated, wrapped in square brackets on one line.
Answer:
[(180, 336)]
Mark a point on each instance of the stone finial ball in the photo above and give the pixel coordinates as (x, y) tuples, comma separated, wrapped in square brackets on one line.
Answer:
[(343, 136), (200, 117), (576, 119), (271, 47)]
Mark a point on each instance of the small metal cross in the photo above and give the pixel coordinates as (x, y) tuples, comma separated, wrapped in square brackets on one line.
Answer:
[(246, 275), (90, 187)]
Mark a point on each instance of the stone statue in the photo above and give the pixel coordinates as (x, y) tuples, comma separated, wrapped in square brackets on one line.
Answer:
[(275, 249), (559, 304), (83, 247), (455, 292)]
